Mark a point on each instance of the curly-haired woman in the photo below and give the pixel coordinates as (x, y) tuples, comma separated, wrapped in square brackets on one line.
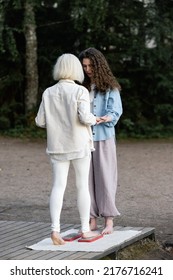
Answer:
[(106, 104)]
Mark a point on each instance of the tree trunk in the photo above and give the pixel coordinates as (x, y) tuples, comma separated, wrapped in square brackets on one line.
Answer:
[(31, 88)]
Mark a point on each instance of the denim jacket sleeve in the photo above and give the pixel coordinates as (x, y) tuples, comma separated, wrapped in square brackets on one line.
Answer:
[(113, 107)]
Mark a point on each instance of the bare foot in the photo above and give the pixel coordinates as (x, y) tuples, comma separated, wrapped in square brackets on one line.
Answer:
[(56, 238), (108, 226), (89, 234), (93, 224)]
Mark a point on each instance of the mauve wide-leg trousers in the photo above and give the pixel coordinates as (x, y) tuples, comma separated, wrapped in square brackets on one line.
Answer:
[(103, 179)]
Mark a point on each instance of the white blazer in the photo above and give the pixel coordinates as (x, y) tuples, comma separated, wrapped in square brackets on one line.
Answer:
[(65, 113)]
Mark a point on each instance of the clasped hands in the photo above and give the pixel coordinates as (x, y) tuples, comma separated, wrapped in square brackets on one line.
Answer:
[(103, 119)]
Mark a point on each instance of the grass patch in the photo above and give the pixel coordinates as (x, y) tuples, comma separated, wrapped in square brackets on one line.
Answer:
[(136, 250)]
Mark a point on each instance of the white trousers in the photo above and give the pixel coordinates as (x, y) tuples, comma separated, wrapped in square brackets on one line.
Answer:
[(60, 174)]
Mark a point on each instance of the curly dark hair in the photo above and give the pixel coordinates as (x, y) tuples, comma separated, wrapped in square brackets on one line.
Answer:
[(103, 76)]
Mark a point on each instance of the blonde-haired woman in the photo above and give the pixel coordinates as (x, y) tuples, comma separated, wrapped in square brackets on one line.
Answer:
[(65, 113)]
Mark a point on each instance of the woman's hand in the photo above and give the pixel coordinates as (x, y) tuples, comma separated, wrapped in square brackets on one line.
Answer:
[(103, 119)]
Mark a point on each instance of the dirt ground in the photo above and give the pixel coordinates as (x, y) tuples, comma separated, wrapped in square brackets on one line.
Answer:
[(144, 194)]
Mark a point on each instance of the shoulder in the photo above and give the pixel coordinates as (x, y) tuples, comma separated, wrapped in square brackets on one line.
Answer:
[(109, 92), (114, 93), (83, 89), (50, 89)]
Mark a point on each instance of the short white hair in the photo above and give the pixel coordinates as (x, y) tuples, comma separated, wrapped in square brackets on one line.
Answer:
[(68, 66)]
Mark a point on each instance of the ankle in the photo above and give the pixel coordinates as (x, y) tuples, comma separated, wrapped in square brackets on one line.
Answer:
[(108, 221), (93, 223)]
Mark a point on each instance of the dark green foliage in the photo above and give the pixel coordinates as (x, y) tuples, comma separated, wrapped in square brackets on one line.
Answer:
[(137, 40)]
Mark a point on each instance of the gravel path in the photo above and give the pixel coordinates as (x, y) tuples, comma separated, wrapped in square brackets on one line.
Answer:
[(145, 185)]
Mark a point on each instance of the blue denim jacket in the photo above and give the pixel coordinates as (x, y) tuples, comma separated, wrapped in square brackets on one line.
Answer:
[(106, 104)]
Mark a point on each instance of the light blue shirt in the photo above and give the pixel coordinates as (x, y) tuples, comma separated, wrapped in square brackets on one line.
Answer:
[(106, 104)]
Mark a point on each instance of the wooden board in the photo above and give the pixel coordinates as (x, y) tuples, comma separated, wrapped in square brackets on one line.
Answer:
[(15, 236)]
